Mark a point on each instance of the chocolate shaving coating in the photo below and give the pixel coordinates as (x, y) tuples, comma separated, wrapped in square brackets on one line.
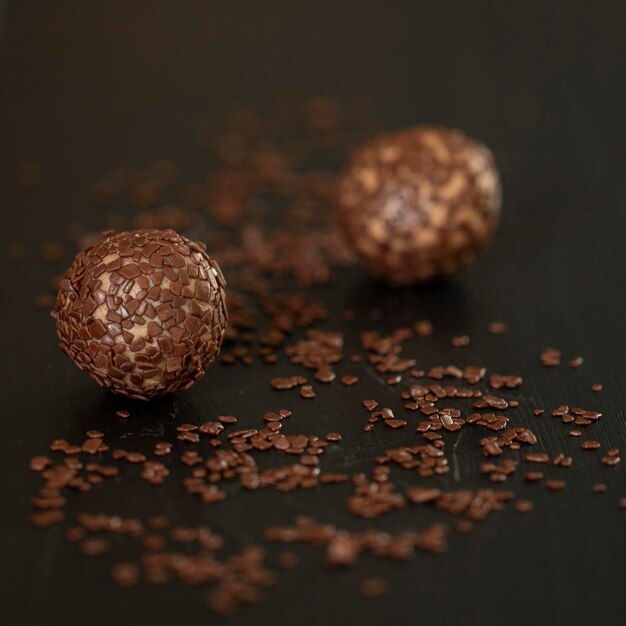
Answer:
[(419, 204), (142, 312)]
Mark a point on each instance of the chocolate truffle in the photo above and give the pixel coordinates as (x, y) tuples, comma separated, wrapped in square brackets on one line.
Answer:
[(142, 312), (419, 204)]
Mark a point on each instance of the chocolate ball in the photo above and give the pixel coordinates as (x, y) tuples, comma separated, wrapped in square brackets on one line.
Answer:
[(419, 204), (142, 312)]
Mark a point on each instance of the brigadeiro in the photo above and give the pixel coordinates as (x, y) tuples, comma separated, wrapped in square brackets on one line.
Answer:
[(419, 204), (142, 312)]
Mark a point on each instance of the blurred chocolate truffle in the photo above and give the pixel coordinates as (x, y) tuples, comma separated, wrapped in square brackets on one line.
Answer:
[(419, 204), (142, 312)]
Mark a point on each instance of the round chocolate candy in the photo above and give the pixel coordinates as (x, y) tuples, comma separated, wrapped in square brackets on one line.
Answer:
[(142, 312), (419, 204)]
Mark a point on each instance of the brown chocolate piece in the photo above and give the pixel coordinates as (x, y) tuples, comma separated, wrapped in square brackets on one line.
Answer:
[(555, 484), (524, 506), (419, 204), (125, 574), (550, 357), (496, 328), (590, 444), (136, 329), (349, 380), (288, 382)]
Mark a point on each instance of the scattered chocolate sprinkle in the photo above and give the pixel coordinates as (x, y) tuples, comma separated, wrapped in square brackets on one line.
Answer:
[(460, 341), (91, 446), (533, 476), (497, 381), (562, 460), (125, 574), (186, 427), (373, 587), (590, 444), (550, 357), (537, 457), (597, 387), (123, 414), (424, 328), (325, 374), (422, 495), (599, 488), (496, 328), (43, 519), (395, 423), (348, 380), (611, 459), (307, 391), (188, 437), (94, 546), (74, 534), (211, 428), (287, 383), (39, 463), (555, 484), (162, 448), (524, 506), (135, 457)]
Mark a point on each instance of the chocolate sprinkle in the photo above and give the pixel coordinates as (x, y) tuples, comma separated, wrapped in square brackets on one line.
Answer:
[(524, 506)]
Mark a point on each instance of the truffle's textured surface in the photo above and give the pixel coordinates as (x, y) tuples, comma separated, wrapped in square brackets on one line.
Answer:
[(419, 204), (142, 312)]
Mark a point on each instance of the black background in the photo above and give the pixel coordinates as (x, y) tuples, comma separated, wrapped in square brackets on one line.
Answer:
[(85, 85)]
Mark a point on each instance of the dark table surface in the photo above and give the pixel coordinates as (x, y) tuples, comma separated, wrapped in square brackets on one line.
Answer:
[(84, 85)]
